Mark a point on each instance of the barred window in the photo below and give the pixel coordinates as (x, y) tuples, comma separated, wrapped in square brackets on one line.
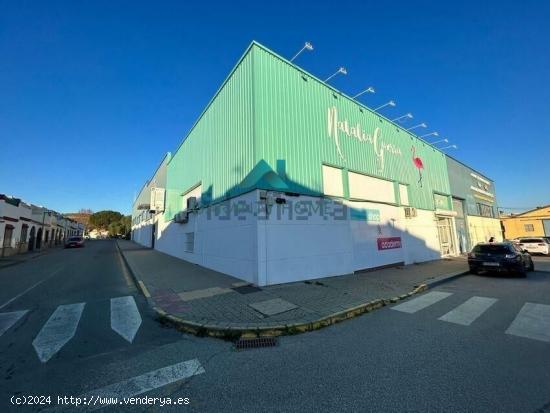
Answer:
[(485, 210)]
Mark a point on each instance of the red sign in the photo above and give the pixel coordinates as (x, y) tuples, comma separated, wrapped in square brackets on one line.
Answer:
[(389, 243)]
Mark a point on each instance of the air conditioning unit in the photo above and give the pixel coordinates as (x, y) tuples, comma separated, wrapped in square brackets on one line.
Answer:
[(192, 203), (181, 217), (410, 212)]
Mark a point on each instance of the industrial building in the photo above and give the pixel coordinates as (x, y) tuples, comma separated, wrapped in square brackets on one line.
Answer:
[(532, 223), (284, 178), (475, 203)]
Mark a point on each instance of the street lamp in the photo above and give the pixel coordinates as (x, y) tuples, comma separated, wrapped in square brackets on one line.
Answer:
[(406, 115), (342, 70), (420, 125), (370, 89), (43, 220), (449, 147), (439, 141), (430, 134), (307, 46), (389, 103)]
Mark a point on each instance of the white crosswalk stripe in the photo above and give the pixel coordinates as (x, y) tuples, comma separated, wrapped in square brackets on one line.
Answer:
[(9, 319), (116, 393), (419, 303), (58, 330), (125, 317), (467, 312), (533, 321)]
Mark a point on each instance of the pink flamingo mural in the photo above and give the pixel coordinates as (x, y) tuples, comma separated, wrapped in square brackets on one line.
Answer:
[(418, 164)]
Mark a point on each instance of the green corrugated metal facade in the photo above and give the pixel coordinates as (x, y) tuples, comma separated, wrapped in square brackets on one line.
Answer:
[(270, 112), (219, 150)]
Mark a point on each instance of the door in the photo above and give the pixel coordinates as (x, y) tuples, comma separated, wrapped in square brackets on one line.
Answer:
[(546, 225), (446, 239), (8, 235), (31, 239), (39, 239)]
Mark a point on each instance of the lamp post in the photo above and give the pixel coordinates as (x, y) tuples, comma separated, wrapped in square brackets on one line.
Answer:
[(440, 141), (370, 89), (430, 134), (43, 221), (307, 46), (389, 103), (420, 125), (450, 147), (341, 70), (405, 116)]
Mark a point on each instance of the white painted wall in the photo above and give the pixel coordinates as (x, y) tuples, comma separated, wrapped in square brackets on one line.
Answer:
[(225, 238), (482, 229), (295, 241), (420, 237)]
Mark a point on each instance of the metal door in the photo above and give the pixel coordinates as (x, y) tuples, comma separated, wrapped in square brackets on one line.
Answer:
[(546, 225)]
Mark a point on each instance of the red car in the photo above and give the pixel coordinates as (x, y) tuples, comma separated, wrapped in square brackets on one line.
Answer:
[(74, 242)]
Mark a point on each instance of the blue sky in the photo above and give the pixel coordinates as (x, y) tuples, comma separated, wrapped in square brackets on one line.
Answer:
[(93, 93)]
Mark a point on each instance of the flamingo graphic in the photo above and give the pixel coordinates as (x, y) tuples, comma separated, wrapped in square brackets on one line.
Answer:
[(418, 164)]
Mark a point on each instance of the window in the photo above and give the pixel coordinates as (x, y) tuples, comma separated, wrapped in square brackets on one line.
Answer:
[(485, 210), (190, 242), (492, 249), (332, 181), (404, 194), (458, 206), (529, 228), (370, 188)]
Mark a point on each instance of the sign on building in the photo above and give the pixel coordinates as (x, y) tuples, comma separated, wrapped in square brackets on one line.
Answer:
[(388, 243), (157, 199)]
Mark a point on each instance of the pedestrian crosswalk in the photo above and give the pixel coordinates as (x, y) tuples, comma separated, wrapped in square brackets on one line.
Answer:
[(62, 325), (9, 319), (58, 330), (532, 321), (125, 317), (467, 312)]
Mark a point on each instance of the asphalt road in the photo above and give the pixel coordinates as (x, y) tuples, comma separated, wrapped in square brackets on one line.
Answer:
[(488, 355)]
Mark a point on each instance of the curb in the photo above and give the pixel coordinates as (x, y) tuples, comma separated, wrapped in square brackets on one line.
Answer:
[(228, 332), (21, 261), (139, 284)]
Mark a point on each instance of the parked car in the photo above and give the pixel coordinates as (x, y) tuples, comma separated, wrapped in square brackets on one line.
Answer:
[(500, 257), (535, 245), (74, 242)]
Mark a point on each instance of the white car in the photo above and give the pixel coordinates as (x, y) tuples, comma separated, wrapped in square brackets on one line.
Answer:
[(535, 245)]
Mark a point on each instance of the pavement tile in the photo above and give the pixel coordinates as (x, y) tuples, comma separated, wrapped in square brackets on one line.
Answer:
[(273, 306), (206, 296), (206, 292)]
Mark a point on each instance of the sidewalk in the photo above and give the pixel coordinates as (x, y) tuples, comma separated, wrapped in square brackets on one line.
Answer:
[(20, 258), (204, 301)]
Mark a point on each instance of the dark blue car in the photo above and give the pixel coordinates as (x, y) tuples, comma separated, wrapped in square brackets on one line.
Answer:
[(500, 257)]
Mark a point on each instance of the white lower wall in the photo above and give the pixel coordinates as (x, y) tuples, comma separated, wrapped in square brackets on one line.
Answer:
[(481, 229), (326, 245), (141, 233), (295, 241), (225, 238)]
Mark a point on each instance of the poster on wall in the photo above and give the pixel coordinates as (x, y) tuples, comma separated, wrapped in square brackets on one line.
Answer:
[(389, 243)]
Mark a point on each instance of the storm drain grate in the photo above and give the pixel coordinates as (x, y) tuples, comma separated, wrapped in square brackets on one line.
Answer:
[(247, 289), (257, 342)]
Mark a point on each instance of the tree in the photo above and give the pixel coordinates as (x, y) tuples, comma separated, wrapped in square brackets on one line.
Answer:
[(102, 219)]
